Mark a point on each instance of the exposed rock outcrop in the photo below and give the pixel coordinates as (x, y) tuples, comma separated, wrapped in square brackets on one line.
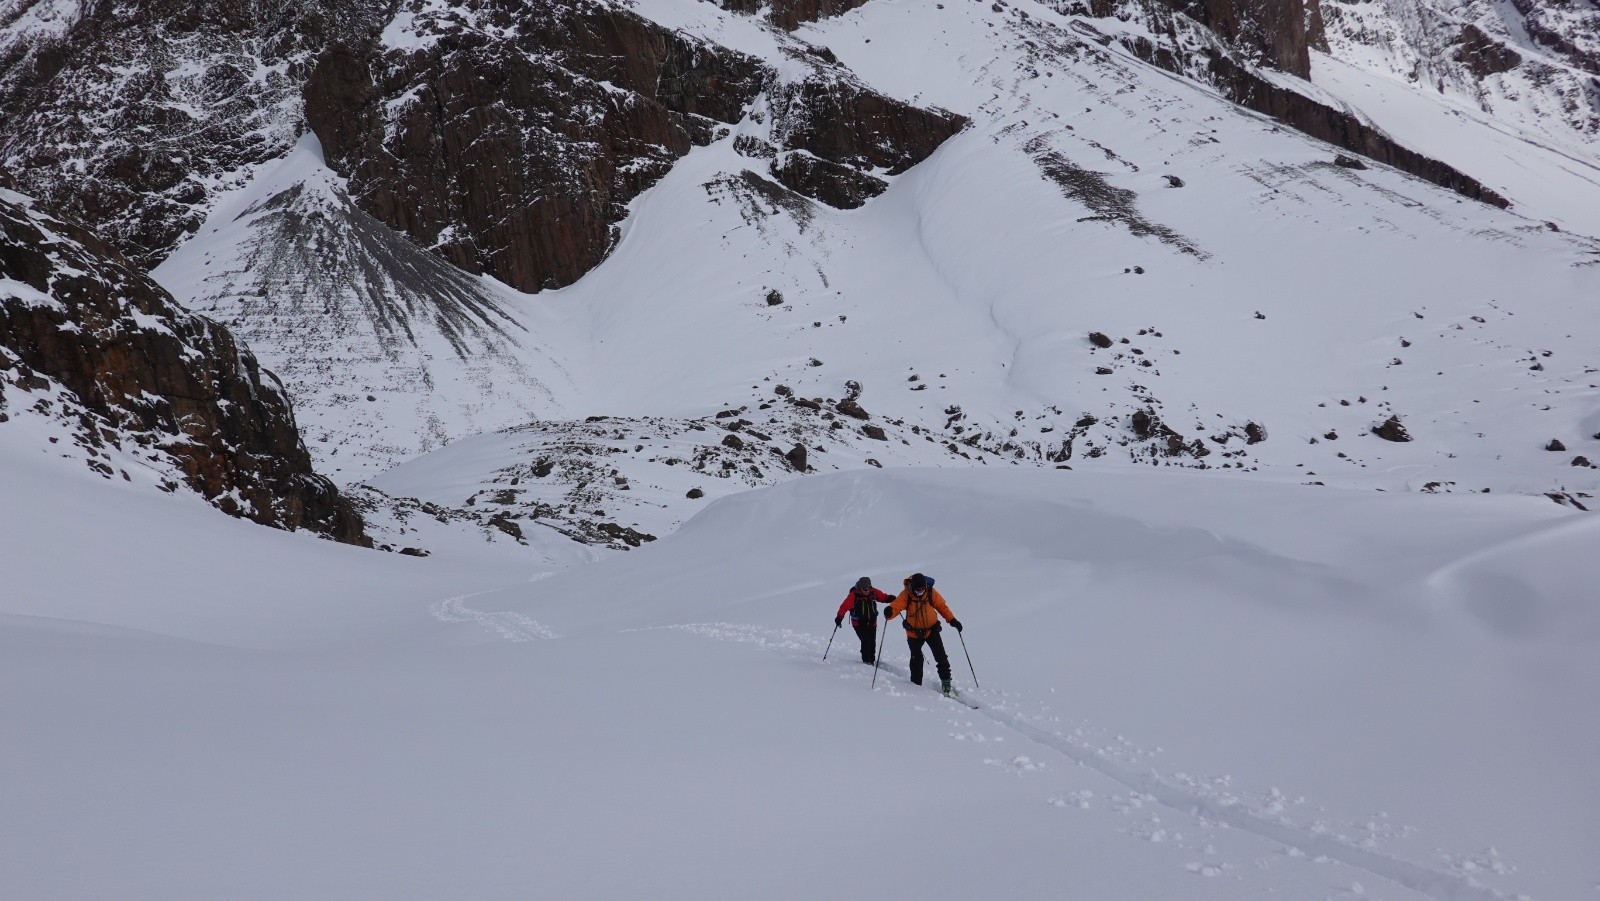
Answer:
[(1482, 55), (1340, 128), (791, 14), (141, 375), (512, 142), (132, 117), (505, 136), (1278, 34), (841, 139), (1392, 429)]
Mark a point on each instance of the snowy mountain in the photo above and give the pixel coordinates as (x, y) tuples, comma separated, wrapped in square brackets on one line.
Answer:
[(1228, 363), (966, 301)]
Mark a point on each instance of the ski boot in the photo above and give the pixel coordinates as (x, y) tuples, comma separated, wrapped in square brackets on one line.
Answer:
[(945, 688)]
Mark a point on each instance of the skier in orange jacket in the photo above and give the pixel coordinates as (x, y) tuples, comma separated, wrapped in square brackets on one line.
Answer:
[(923, 606)]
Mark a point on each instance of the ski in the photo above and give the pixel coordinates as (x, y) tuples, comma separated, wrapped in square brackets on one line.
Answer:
[(954, 695)]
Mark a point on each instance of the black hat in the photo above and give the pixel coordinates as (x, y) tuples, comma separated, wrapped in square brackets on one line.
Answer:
[(918, 581), (863, 583)]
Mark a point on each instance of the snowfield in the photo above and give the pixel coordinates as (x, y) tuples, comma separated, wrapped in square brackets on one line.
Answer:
[(1308, 663), (1192, 687)]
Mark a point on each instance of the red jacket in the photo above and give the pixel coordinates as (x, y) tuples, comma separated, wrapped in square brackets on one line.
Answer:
[(849, 604)]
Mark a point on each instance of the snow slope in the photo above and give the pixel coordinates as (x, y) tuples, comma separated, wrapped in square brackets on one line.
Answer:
[(1271, 289), (1539, 172), (1201, 677), (1194, 686), (391, 351), (1503, 91)]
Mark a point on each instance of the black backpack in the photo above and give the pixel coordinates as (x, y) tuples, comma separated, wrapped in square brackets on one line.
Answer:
[(866, 606)]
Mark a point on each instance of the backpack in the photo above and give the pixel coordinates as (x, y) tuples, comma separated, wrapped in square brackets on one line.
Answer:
[(866, 606), (926, 601)]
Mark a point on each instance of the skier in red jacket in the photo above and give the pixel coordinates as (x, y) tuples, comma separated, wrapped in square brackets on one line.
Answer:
[(862, 605)]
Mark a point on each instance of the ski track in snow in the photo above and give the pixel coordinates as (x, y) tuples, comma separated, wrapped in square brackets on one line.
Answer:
[(1203, 800), (510, 625)]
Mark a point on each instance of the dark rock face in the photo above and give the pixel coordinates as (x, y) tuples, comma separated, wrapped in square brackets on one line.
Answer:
[(512, 146), (506, 136), (835, 133), (142, 372), (1278, 34), (131, 119), (1482, 55), (837, 186), (837, 119), (1532, 63), (791, 14), (1147, 425)]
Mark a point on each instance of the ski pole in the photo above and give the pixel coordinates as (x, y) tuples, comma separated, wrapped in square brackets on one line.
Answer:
[(969, 657), (830, 642), (879, 659)]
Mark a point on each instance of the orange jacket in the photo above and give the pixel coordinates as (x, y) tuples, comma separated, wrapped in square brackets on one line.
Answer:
[(922, 613)]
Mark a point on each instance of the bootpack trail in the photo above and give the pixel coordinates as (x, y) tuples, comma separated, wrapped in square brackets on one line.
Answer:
[(1005, 709)]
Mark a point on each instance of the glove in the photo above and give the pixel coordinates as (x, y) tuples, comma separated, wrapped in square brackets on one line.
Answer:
[(886, 610), (955, 624), (838, 621)]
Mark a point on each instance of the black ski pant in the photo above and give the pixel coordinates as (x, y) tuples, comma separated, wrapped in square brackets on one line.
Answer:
[(867, 631), (941, 660)]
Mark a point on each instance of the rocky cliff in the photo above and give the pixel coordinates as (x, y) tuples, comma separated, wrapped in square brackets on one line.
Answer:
[(87, 339), (791, 14), (510, 136), (131, 118), (1278, 34)]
